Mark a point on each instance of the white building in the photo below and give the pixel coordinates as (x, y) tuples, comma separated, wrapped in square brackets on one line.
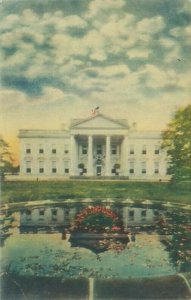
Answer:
[(96, 146)]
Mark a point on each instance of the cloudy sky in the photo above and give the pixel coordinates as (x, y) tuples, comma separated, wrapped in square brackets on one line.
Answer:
[(62, 58)]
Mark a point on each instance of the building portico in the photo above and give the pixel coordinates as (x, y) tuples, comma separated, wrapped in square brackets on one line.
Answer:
[(96, 154)]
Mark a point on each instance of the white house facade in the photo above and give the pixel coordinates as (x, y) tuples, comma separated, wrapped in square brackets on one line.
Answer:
[(94, 147)]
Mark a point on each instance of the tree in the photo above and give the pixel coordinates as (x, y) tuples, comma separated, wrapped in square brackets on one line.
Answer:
[(6, 161), (177, 141)]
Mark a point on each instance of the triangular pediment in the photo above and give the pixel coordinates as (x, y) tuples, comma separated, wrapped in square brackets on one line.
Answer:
[(99, 121)]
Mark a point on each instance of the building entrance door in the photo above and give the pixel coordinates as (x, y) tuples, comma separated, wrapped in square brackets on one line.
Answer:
[(98, 170)]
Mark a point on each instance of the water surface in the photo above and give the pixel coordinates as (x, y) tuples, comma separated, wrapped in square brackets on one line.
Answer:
[(39, 242)]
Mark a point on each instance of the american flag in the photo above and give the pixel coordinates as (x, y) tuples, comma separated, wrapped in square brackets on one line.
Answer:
[(95, 110)]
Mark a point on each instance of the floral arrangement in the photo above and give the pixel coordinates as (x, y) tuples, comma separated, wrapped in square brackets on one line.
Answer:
[(97, 219)]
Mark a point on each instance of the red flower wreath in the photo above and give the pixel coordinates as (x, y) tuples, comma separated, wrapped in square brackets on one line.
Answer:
[(96, 219)]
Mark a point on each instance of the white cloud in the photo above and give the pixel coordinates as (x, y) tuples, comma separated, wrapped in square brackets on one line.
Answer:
[(96, 7), (157, 77), (51, 94), (14, 100), (16, 60), (9, 39), (123, 31), (62, 23), (114, 70), (167, 43), (182, 32), (94, 44), (10, 22), (11, 97), (98, 55), (176, 31), (65, 45), (138, 53), (28, 17), (151, 25), (116, 26), (173, 55), (74, 21), (184, 81)]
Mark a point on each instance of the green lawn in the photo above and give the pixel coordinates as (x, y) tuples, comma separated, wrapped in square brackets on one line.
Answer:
[(42, 190)]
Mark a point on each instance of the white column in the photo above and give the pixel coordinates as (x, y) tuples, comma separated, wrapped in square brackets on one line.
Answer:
[(125, 217), (90, 156), (108, 157), (73, 154), (125, 163)]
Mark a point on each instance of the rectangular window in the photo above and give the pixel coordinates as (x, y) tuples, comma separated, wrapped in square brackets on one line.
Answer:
[(131, 169), (66, 167), (99, 149), (28, 151), (143, 168), (53, 150), (41, 212), (156, 167), (28, 166), (54, 212), (41, 149), (84, 149), (66, 151), (54, 170), (114, 149), (28, 214), (131, 150), (131, 215), (143, 214), (85, 170), (41, 166), (28, 148), (144, 150), (156, 151)]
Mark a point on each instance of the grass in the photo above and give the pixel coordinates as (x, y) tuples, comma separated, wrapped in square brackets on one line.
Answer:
[(60, 190)]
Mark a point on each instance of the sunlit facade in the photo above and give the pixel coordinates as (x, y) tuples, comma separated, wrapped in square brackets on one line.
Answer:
[(94, 147)]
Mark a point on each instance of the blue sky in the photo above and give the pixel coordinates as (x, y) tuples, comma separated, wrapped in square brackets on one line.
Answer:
[(60, 59)]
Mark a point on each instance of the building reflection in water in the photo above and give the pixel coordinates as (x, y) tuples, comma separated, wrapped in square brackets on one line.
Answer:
[(48, 219), (61, 219)]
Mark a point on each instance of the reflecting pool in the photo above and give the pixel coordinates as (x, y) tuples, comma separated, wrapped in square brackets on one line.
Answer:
[(95, 239)]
